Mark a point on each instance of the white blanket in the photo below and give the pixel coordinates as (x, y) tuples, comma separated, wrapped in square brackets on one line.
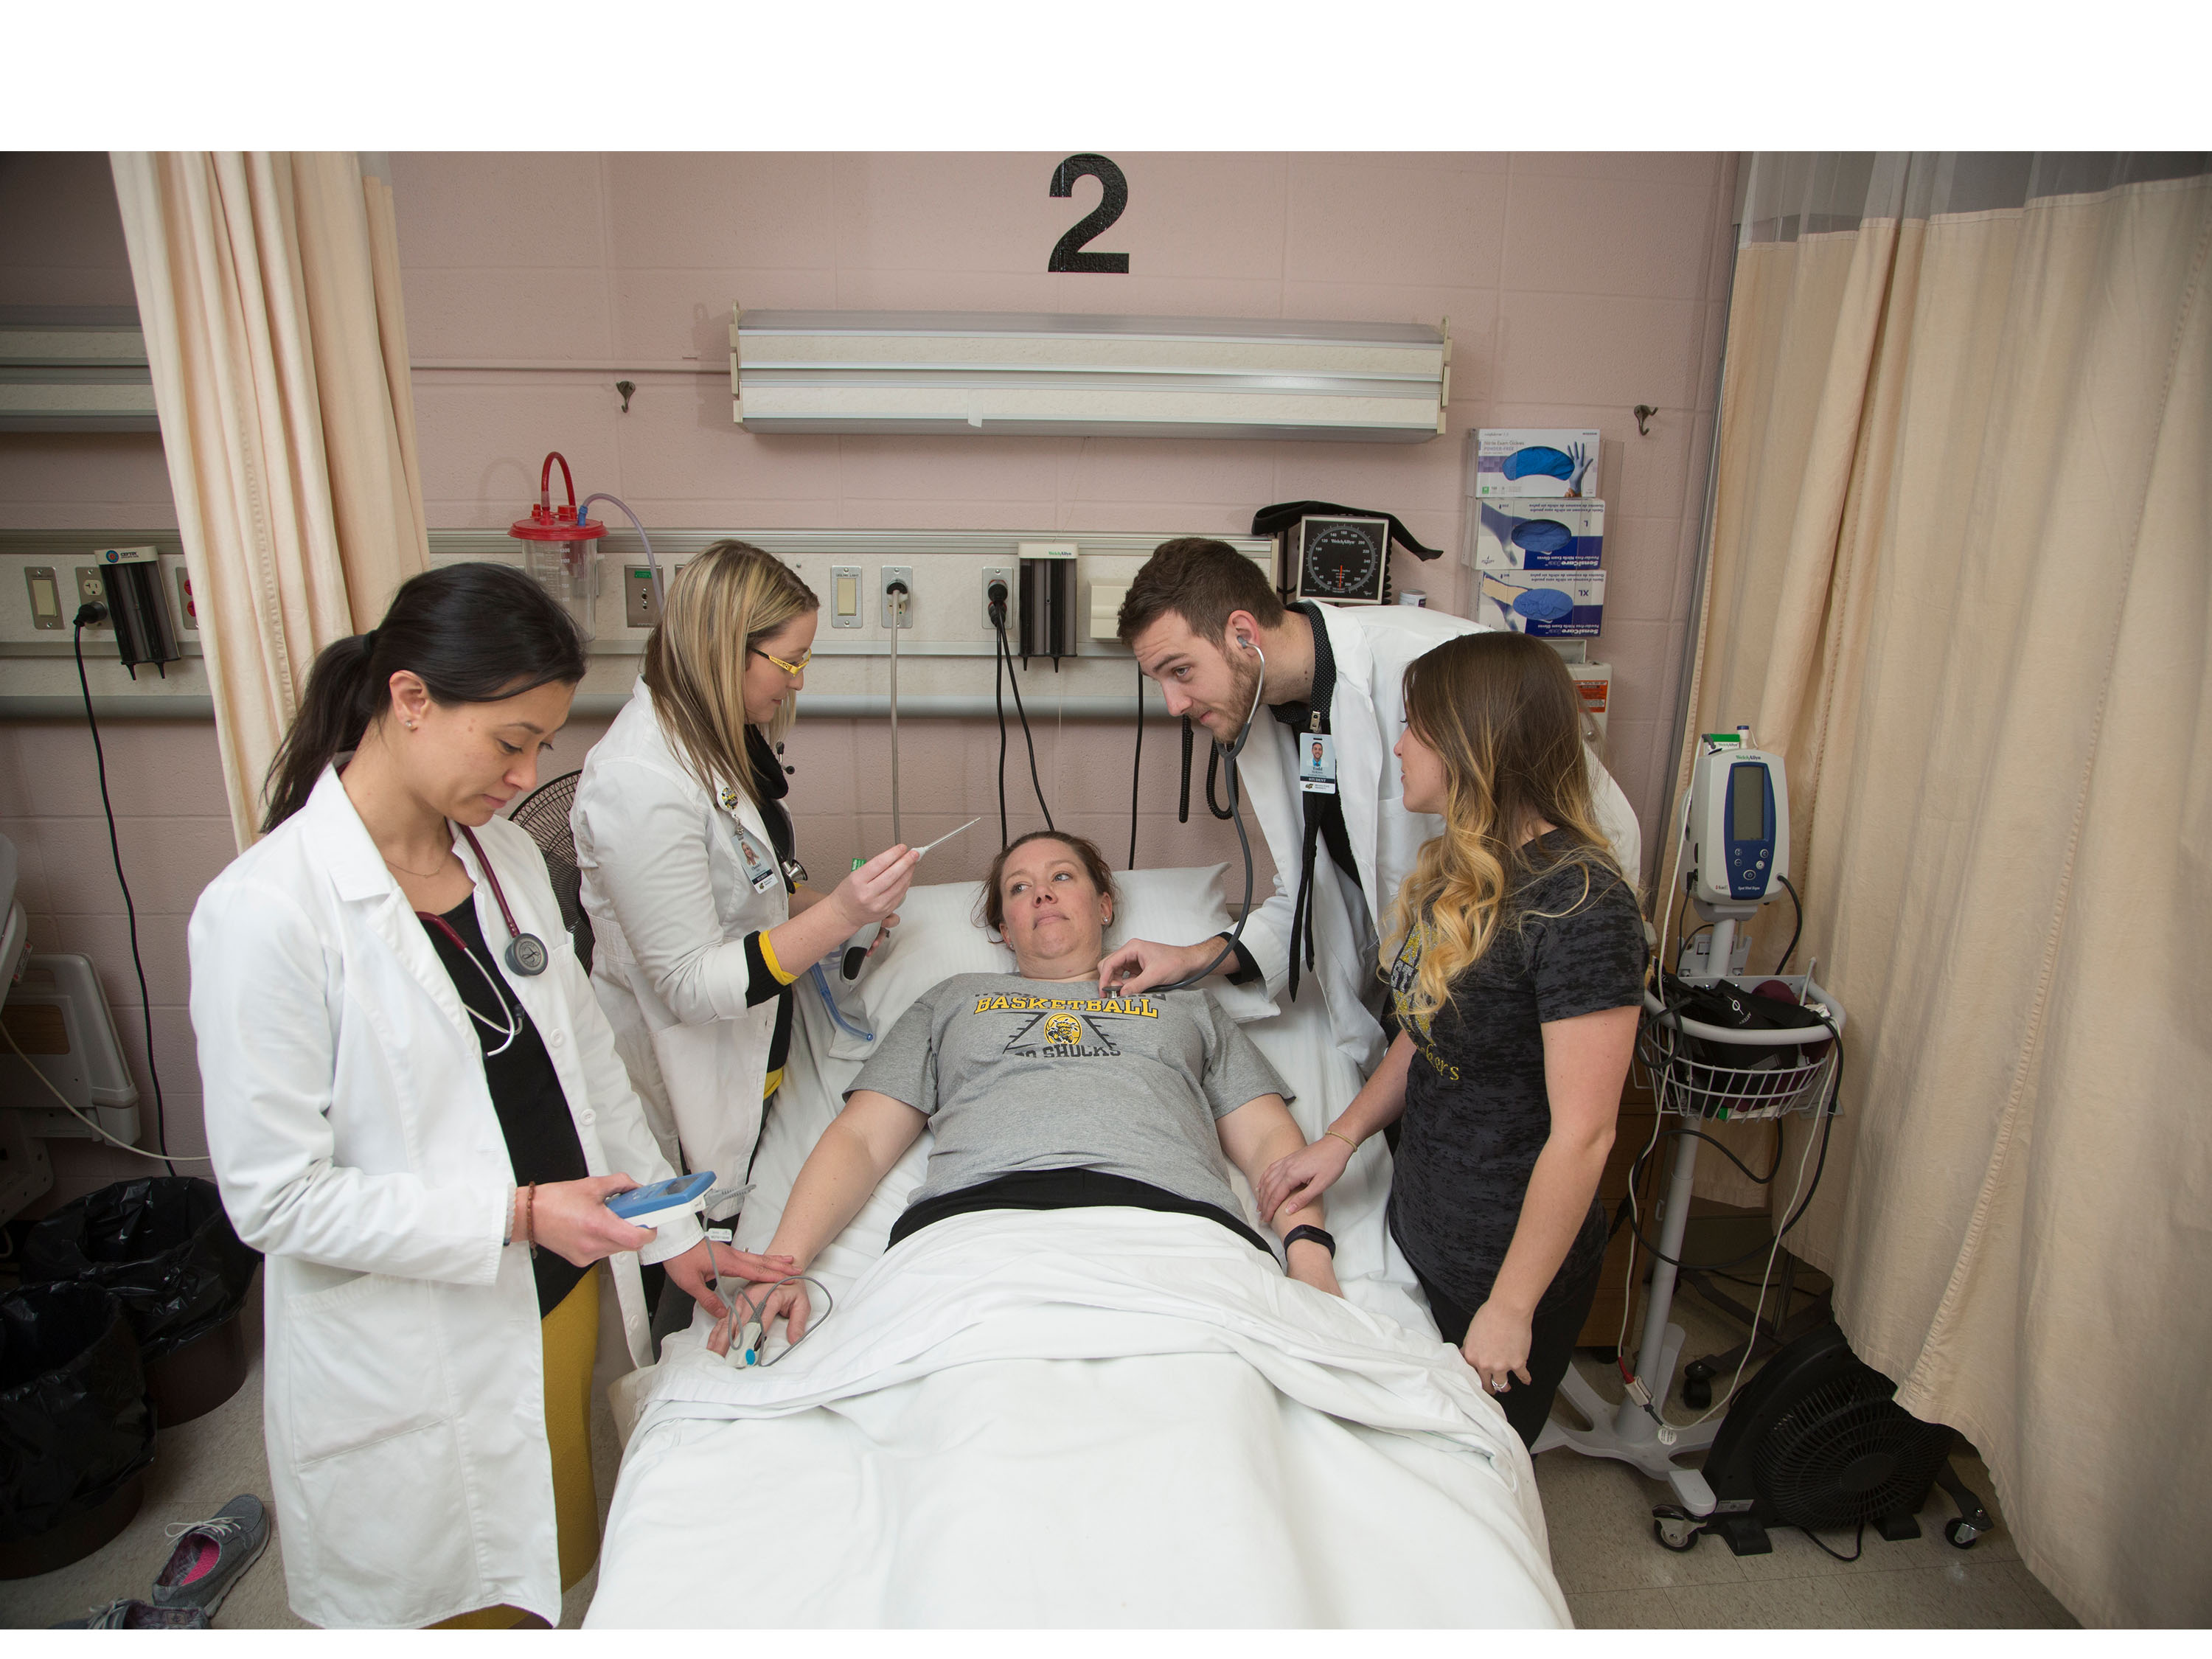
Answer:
[(1097, 1417)]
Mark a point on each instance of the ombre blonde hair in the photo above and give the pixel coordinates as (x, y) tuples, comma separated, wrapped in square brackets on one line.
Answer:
[(718, 606), (1502, 715)]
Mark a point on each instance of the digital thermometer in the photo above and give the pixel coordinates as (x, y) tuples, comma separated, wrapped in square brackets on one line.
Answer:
[(1739, 825), (856, 948)]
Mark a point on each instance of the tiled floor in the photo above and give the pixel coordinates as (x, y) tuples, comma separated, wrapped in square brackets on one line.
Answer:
[(1612, 1570)]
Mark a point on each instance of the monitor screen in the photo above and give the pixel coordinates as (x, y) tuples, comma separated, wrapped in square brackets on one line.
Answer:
[(1747, 803)]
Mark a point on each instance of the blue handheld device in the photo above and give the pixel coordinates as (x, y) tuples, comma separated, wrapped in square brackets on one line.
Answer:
[(646, 1206)]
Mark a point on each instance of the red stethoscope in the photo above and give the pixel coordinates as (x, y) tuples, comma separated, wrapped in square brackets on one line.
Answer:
[(525, 953)]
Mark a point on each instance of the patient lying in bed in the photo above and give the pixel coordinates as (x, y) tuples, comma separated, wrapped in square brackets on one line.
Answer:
[(1045, 1093)]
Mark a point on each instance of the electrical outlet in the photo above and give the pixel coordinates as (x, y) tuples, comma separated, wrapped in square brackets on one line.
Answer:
[(898, 573), (90, 590), (999, 572), (188, 615), (638, 609), (844, 596)]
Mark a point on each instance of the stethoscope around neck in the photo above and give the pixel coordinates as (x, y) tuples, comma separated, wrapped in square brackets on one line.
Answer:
[(525, 953), (1230, 753)]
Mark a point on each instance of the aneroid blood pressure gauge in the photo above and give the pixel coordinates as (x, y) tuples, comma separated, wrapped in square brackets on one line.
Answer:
[(1346, 561)]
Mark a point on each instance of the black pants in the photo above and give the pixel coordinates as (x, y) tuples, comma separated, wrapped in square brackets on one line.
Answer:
[(1551, 1336), (1065, 1189)]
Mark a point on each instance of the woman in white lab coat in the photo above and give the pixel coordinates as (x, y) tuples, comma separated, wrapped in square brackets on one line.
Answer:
[(691, 875), (415, 1111)]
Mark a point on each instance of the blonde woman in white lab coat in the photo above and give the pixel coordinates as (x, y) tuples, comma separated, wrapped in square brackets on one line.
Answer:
[(415, 1110), (691, 874)]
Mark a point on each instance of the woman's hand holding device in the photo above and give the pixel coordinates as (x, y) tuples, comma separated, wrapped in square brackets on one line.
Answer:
[(871, 892), (571, 1220)]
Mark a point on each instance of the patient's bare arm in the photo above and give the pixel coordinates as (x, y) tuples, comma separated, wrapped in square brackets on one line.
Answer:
[(855, 1152), (1254, 1135)]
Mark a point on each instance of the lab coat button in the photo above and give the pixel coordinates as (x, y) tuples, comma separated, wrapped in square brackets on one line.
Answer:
[(559, 1038)]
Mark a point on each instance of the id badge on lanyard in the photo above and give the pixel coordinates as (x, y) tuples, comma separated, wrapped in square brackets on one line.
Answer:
[(1316, 761), (758, 861)]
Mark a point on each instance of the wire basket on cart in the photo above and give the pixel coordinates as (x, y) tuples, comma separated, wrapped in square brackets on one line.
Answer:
[(1706, 1070)]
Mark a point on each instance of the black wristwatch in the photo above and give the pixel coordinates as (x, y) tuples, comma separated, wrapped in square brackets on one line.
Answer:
[(1324, 1240)]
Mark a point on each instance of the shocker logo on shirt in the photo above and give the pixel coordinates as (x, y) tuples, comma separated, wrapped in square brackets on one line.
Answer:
[(1059, 1036)]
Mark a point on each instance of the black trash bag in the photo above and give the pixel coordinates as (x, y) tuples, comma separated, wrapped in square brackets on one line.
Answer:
[(163, 1244), (75, 1423)]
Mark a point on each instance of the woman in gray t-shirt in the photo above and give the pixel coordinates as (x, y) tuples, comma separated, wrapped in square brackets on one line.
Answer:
[(1046, 1090)]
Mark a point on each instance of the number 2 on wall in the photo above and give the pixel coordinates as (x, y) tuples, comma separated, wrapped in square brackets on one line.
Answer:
[(1067, 253)]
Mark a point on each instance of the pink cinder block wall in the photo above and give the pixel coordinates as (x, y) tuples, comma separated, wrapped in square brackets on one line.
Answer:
[(1577, 286)]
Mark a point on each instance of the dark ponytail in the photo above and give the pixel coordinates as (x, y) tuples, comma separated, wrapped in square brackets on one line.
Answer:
[(474, 633)]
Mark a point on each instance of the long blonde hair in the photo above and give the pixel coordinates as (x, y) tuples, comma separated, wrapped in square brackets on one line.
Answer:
[(719, 606), (1502, 713)]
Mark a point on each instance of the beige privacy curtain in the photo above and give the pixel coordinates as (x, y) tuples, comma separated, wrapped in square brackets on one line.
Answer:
[(268, 289), (1961, 577)]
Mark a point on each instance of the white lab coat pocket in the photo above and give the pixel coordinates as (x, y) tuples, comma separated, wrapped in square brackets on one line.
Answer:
[(365, 1366), (395, 1515)]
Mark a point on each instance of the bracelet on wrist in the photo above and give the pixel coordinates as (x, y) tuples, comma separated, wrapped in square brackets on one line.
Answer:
[(1347, 1139), (1309, 1234)]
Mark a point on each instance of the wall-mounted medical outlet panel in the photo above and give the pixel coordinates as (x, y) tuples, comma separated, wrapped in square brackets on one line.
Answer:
[(638, 608), (999, 572), (1106, 609), (896, 573), (45, 592), (844, 596)]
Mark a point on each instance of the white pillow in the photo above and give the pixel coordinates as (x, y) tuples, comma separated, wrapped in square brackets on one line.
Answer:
[(938, 936), (1183, 907)]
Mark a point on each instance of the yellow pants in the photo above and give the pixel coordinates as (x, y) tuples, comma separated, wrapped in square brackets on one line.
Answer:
[(571, 1335)]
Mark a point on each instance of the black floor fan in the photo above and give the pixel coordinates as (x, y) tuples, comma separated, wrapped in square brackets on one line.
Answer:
[(1816, 1440)]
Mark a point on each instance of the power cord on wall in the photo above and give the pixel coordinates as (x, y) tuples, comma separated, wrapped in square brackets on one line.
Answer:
[(94, 611), (1003, 674)]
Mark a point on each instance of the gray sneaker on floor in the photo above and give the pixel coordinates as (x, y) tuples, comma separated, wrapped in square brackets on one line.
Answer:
[(211, 1555), (127, 1614)]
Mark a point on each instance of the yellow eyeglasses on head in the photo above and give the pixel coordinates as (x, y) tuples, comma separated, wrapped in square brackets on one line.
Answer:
[(793, 668)]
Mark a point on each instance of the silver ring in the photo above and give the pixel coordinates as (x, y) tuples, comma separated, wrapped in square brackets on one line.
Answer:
[(1498, 1387)]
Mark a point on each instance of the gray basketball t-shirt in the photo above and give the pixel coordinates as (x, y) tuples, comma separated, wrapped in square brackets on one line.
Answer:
[(1020, 1074)]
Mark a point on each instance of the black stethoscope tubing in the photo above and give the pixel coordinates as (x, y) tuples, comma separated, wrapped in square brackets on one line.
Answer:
[(1227, 754)]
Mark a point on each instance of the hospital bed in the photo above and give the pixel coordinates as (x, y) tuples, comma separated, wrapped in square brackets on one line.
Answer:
[(1082, 1418)]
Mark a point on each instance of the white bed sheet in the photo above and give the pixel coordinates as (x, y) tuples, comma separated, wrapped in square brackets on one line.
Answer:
[(1198, 1442)]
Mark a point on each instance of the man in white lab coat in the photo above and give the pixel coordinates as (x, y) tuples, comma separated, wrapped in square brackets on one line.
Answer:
[(1204, 623)]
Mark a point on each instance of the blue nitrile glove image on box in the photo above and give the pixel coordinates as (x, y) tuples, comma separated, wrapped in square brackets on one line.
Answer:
[(1540, 535), (1567, 604), (1522, 461)]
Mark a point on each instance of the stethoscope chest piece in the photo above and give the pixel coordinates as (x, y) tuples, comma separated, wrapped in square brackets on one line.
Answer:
[(525, 953)]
